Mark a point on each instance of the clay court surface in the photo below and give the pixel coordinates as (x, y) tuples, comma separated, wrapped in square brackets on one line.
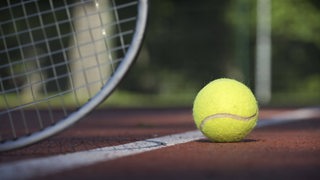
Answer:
[(288, 150)]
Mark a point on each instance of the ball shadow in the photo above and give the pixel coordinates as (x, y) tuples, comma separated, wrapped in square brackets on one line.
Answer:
[(243, 141)]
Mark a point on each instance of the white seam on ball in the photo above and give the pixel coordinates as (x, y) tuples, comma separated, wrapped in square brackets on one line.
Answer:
[(226, 115)]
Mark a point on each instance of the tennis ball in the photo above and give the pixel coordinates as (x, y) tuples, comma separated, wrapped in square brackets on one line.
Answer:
[(225, 110)]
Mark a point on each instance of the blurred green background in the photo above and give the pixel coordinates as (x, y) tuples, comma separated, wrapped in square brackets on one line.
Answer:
[(189, 43)]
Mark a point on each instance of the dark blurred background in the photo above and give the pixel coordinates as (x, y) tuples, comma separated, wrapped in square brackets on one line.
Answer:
[(189, 43)]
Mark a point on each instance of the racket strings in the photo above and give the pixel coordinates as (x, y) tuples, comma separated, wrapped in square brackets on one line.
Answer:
[(56, 55)]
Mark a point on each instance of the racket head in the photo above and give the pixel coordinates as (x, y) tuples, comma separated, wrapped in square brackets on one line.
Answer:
[(28, 121)]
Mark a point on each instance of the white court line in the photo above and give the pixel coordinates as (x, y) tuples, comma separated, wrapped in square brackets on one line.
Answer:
[(32, 168), (296, 115)]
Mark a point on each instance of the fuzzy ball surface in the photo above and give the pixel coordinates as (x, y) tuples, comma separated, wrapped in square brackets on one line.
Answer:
[(225, 110)]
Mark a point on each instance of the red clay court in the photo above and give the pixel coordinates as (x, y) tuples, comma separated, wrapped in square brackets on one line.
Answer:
[(164, 144), (60, 59)]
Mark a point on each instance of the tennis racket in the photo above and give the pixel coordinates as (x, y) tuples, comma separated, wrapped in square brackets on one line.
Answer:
[(61, 59)]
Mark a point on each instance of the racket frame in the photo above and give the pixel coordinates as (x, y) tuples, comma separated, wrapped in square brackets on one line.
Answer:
[(104, 93)]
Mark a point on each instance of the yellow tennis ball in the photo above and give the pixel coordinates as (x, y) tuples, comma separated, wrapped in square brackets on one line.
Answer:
[(225, 110)]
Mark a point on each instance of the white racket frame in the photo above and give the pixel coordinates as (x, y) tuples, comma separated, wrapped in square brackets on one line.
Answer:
[(99, 97)]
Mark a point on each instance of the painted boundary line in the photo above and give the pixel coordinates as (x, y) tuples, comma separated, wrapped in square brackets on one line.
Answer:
[(291, 116), (32, 168), (49, 165)]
